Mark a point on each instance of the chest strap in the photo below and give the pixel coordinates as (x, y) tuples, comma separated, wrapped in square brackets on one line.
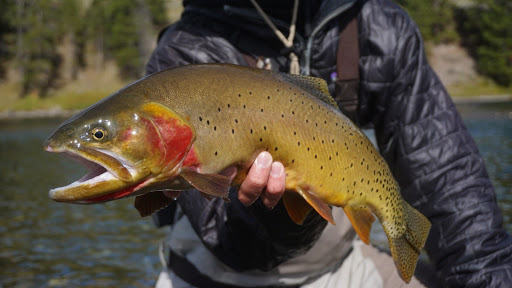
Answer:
[(347, 66)]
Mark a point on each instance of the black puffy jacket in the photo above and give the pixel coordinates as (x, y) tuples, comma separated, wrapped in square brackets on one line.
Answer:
[(418, 130)]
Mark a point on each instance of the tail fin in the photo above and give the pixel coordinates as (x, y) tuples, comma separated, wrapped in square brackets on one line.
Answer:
[(405, 248)]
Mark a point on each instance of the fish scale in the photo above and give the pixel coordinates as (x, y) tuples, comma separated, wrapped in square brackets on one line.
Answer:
[(181, 127)]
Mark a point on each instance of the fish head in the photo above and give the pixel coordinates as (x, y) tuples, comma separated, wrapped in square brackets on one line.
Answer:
[(127, 146)]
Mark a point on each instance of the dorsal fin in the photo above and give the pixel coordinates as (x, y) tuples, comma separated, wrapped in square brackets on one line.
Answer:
[(315, 86)]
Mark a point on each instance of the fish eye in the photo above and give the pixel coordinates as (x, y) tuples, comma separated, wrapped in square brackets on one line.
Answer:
[(98, 133)]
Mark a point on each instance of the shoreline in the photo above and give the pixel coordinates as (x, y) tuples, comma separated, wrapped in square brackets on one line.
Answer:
[(36, 114), (504, 98), (61, 113)]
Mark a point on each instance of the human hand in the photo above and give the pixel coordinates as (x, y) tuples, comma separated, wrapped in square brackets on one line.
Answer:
[(265, 179)]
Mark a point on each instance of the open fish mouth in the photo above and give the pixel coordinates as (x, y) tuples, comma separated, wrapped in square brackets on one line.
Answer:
[(108, 174)]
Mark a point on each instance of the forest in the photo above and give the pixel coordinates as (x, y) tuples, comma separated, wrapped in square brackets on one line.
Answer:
[(47, 43)]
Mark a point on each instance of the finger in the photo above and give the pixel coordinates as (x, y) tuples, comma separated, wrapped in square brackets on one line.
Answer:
[(256, 180), (275, 186), (172, 194)]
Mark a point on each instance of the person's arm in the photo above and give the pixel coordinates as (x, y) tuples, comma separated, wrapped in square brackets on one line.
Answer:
[(437, 163)]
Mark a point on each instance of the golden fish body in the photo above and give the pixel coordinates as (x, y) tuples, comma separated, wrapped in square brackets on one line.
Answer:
[(232, 113)]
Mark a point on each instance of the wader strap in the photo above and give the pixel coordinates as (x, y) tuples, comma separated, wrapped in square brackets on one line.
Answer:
[(347, 66), (189, 273)]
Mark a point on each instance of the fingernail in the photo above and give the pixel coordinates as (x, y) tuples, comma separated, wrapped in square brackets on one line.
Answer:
[(263, 160), (277, 170)]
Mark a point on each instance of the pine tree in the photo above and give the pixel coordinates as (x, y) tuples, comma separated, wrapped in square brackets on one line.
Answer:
[(123, 29), (488, 26), (5, 30), (37, 37), (434, 18)]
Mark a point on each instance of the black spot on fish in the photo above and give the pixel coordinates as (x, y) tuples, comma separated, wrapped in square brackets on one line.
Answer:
[(298, 143), (232, 131), (229, 105), (264, 127), (208, 122), (200, 118), (236, 120), (251, 130), (216, 153), (214, 128), (268, 97), (261, 109), (261, 139), (250, 93)]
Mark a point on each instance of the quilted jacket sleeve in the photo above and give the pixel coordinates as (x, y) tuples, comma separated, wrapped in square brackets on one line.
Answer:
[(434, 158)]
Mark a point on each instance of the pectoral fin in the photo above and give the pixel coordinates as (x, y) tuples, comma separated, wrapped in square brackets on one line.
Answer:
[(298, 210), (361, 218), (149, 203), (212, 184)]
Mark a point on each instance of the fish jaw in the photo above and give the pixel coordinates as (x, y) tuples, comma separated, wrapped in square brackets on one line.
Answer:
[(108, 175)]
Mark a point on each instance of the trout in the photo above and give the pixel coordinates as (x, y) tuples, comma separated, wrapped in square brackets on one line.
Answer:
[(181, 127)]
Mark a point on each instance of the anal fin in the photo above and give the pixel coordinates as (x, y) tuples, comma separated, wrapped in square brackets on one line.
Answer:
[(297, 208), (149, 203), (323, 209), (212, 184), (361, 218)]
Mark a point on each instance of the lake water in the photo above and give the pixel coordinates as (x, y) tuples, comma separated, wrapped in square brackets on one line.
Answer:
[(49, 244)]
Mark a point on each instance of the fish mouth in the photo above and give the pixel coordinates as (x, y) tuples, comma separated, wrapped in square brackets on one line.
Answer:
[(110, 177)]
